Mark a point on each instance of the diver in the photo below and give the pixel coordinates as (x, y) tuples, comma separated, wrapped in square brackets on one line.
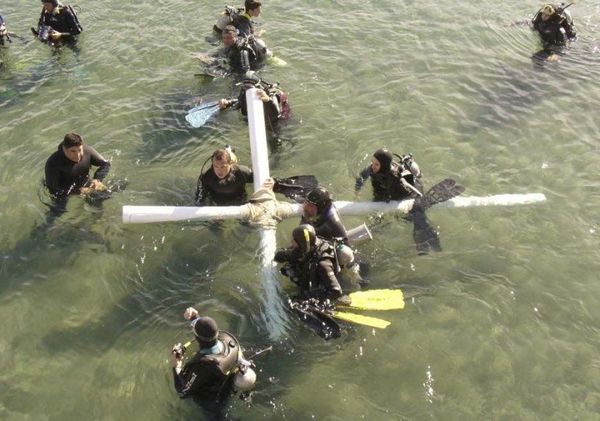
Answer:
[(243, 22), (224, 183), (216, 369), (555, 26), (276, 105), (4, 34), (243, 53), (57, 24), (67, 170), (399, 180), (310, 262), (391, 179), (319, 211)]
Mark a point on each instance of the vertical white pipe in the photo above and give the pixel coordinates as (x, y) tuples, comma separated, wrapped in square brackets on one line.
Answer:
[(274, 314), (258, 138)]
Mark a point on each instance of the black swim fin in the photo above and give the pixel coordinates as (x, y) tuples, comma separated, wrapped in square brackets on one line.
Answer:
[(317, 321), (296, 187), (425, 236), (442, 191)]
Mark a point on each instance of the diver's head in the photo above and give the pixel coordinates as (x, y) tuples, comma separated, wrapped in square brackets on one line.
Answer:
[(72, 146), (222, 162), (304, 238), (229, 36), (253, 7), (206, 331), (382, 161), (50, 5), (317, 201), (547, 12)]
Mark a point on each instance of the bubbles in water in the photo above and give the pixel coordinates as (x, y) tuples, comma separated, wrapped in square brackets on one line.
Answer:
[(428, 385), (544, 165)]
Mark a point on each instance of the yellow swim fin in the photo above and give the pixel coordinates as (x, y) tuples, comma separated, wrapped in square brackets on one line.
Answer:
[(377, 299), (361, 320)]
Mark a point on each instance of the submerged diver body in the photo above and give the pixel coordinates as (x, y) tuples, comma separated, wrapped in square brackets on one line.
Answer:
[(555, 27), (67, 170), (224, 183), (58, 24)]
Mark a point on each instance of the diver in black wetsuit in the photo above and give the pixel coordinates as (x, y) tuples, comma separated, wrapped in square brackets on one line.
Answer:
[(555, 26), (57, 24), (67, 169), (4, 35), (311, 264), (399, 180), (276, 105), (244, 54), (209, 373), (243, 22), (319, 211), (224, 183)]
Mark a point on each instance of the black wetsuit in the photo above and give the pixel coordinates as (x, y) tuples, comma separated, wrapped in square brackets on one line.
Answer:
[(236, 54), (243, 24), (386, 185), (64, 177), (555, 32), (328, 225), (277, 110), (208, 373), (64, 21), (229, 191), (315, 274)]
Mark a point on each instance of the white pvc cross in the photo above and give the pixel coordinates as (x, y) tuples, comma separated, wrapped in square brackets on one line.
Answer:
[(274, 315)]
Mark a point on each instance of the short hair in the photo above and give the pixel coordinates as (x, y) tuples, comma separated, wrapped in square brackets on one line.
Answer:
[(72, 139), (230, 29), (548, 9), (252, 4), (222, 155)]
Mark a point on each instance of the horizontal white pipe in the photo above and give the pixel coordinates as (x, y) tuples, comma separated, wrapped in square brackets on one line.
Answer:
[(144, 214)]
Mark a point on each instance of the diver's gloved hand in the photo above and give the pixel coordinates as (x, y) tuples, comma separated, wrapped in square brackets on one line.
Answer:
[(190, 313)]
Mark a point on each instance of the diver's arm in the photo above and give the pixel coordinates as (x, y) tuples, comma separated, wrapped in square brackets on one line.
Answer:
[(52, 181), (200, 198), (326, 276), (362, 177), (103, 165)]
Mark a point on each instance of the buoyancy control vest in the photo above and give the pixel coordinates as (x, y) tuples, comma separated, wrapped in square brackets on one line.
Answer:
[(223, 365)]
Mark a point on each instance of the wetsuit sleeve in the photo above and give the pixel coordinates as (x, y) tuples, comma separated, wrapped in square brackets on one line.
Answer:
[(71, 21), (283, 255), (201, 193), (41, 20), (52, 175), (98, 160), (326, 276), (189, 382), (362, 177), (247, 174)]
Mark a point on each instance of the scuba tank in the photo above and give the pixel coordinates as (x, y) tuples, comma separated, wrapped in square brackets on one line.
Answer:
[(245, 378), (408, 173), (227, 18)]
